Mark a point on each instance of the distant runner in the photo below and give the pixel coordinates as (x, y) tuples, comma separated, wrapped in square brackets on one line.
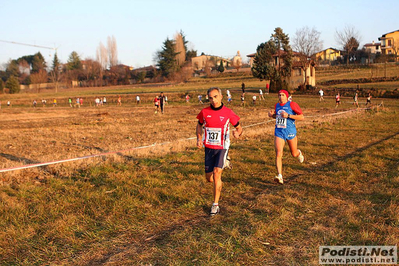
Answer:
[(261, 95), (285, 113), (162, 101), (321, 93), (215, 120), (356, 100), (156, 104), (337, 100), (368, 99)]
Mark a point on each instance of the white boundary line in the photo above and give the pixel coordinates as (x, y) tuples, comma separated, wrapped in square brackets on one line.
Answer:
[(140, 147)]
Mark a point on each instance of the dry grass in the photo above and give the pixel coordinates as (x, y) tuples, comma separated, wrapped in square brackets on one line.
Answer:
[(356, 72), (149, 207)]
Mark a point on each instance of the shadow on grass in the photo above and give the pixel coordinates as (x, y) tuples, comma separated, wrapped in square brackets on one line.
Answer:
[(258, 186), (343, 158), (23, 160), (153, 239), (18, 159)]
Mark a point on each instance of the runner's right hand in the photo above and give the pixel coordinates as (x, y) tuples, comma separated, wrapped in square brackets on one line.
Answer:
[(199, 143), (271, 113)]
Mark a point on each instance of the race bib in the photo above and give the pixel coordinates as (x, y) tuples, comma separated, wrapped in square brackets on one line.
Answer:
[(281, 122), (213, 136)]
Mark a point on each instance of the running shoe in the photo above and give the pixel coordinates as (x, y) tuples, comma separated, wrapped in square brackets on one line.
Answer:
[(279, 179), (215, 209), (300, 157)]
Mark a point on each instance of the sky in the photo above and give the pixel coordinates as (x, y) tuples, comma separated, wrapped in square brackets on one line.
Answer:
[(216, 27)]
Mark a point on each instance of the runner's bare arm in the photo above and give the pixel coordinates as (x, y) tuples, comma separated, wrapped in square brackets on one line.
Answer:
[(199, 132), (237, 133), (295, 117)]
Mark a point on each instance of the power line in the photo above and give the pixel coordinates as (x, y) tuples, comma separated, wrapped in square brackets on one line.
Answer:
[(33, 45)]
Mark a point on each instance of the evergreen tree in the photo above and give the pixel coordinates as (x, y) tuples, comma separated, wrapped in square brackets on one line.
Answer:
[(12, 69), (141, 76), (167, 59), (13, 85), (27, 58), (190, 54), (74, 61), (273, 60), (38, 63), (55, 72), (56, 63), (221, 67)]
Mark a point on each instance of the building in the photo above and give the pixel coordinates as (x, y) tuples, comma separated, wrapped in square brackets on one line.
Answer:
[(372, 48), (390, 43), (301, 73), (202, 61), (236, 61), (329, 54)]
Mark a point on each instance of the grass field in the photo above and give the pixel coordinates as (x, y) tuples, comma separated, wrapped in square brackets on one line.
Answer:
[(150, 206), (356, 72), (346, 81)]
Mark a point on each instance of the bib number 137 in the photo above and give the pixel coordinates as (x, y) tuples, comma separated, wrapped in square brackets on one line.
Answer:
[(213, 136)]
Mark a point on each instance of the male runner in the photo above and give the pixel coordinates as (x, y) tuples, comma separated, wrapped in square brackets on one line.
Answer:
[(215, 120), (321, 93), (162, 101), (356, 100)]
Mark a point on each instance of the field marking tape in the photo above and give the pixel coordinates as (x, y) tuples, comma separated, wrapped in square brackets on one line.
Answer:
[(137, 148)]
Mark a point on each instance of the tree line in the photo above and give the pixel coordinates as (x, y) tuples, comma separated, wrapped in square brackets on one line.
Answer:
[(173, 62), (273, 60)]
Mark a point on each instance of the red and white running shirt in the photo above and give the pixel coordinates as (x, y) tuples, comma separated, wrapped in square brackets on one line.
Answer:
[(216, 124)]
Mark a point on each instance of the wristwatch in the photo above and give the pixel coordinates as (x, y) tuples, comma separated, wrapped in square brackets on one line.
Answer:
[(288, 116)]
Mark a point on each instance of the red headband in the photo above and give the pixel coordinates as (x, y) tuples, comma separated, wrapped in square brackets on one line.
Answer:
[(285, 92)]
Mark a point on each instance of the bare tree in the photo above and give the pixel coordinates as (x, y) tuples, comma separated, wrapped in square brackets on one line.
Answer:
[(92, 71), (348, 39), (180, 50), (38, 78), (102, 59), (112, 51), (307, 41)]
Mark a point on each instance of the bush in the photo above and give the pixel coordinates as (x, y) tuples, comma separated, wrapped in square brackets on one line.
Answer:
[(13, 85)]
